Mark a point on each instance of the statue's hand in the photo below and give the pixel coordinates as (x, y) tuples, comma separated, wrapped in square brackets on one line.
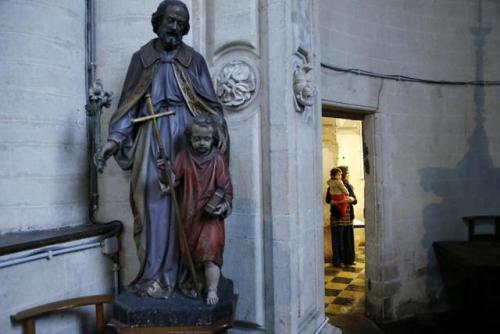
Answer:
[(221, 144), (221, 129), (108, 149), (100, 157), (161, 164)]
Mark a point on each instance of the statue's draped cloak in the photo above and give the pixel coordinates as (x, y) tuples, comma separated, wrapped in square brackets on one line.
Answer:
[(198, 179), (178, 81)]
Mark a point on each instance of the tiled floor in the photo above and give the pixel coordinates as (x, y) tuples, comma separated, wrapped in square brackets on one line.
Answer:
[(345, 287)]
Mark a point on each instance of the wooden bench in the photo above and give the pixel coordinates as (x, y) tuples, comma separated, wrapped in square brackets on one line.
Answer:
[(27, 317)]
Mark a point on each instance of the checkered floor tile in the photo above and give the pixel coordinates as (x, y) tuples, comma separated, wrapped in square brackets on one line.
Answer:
[(345, 287)]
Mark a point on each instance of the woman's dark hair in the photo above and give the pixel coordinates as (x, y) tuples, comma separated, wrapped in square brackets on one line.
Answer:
[(205, 121), (344, 169), (157, 16), (335, 171)]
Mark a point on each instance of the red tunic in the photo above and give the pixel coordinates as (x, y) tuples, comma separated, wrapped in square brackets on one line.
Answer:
[(342, 207), (198, 178)]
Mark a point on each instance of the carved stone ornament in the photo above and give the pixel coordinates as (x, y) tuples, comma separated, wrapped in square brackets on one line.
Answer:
[(98, 96), (236, 84), (98, 99), (303, 89)]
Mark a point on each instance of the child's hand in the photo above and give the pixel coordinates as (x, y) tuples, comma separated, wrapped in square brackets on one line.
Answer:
[(164, 189), (220, 209), (160, 163)]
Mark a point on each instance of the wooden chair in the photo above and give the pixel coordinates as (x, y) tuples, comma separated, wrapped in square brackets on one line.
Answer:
[(27, 317)]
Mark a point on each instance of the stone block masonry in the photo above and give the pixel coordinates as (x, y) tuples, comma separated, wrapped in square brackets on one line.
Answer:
[(43, 157), (42, 129)]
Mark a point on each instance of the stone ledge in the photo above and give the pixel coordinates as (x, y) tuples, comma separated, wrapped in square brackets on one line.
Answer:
[(21, 241)]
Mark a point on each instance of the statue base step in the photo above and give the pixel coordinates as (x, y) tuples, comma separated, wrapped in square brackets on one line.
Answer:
[(219, 327)]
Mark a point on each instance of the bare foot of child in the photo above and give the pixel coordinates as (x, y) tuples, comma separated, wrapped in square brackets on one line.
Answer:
[(212, 297), (212, 275)]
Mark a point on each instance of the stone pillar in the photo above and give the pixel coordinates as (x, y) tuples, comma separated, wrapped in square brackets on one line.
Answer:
[(293, 219), (233, 52), (42, 121), (274, 241), (274, 251)]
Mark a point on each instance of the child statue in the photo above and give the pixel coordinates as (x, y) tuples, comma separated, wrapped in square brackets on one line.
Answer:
[(205, 193)]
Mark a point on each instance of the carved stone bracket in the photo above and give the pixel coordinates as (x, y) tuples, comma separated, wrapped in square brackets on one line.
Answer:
[(236, 84), (98, 99), (304, 90)]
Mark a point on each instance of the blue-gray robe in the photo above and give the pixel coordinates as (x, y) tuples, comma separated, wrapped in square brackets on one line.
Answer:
[(161, 74)]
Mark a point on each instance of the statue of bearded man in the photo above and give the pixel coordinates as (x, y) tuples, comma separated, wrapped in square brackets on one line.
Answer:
[(177, 79)]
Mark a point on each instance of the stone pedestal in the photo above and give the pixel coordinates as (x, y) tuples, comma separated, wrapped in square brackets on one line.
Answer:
[(141, 313), (219, 327)]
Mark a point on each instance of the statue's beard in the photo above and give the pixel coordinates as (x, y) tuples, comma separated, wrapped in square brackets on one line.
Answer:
[(170, 38)]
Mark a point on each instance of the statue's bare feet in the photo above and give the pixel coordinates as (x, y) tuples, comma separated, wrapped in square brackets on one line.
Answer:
[(156, 290), (140, 288), (212, 297)]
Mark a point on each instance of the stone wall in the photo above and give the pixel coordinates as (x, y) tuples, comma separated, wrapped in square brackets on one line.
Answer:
[(43, 158), (433, 147), (43, 144)]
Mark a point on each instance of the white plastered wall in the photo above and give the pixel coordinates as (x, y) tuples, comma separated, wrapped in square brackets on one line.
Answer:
[(432, 152)]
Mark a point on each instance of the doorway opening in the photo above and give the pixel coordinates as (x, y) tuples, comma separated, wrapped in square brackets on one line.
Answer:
[(342, 145)]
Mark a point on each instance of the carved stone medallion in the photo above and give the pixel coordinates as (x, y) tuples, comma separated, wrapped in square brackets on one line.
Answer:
[(236, 84)]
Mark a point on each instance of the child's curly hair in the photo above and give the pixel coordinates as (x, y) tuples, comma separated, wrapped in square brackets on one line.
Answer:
[(204, 121), (335, 171)]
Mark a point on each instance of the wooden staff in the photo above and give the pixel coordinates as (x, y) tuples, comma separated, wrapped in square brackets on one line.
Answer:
[(166, 176), (150, 117)]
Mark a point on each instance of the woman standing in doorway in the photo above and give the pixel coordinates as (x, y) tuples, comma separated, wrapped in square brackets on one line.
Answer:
[(341, 225)]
